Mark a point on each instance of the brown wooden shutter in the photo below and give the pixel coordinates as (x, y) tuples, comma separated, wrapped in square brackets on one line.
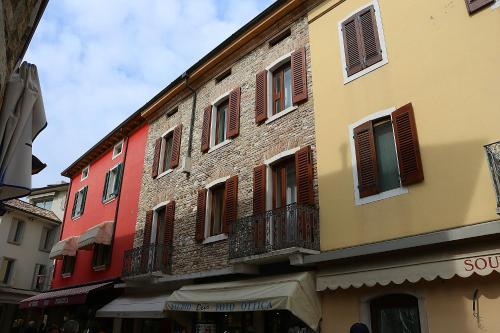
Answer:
[(304, 176), (299, 76), (352, 46), (148, 225), (233, 117), (205, 134), (366, 160), (176, 147), (371, 44), (405, 134), (475, 5), (156, 159), (169, 224), (261, 97), (259, 189), (200, 215), (231, 203)]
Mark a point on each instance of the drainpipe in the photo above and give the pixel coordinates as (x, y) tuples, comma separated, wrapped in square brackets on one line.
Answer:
[(186, 168)]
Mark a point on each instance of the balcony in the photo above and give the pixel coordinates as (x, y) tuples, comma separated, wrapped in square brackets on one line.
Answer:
[(276, 235), (148, 261), (493, 155)]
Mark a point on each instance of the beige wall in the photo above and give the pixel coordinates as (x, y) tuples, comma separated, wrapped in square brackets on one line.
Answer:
[(445, 63), (446, 304), (58, 202)]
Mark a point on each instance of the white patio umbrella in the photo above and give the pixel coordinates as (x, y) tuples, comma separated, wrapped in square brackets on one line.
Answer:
[(22, 118)]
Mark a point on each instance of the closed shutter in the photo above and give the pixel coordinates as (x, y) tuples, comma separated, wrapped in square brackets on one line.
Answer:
[(261, 97), (474, 5), (200, 215), (105, 188), (233, 117), (366, 160), (369, 32), (118, 179), (176, 147), (205, 132), (299, 76), (405, 134), (304, 176), (352, 46), (148, 226), (259, 189), (231, 203), (156, 158), (84, 199)]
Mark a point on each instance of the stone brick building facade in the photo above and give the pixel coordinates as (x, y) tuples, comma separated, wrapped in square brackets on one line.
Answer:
[(254, 144)]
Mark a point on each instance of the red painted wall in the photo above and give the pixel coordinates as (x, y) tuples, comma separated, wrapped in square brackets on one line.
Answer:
[(96, 212)]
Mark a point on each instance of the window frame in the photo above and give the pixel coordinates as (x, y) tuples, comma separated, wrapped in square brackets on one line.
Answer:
[(154, 225), (87, 169), (101, 257), (223, 99), (46, 231), (79, 213), (382, 195), (36, 275), (16, 231), (381, 37), (111, 196), (279, 167), (115, 154), (168, 133), (9, 271), (44, 199), (208, 212), (68, 261)]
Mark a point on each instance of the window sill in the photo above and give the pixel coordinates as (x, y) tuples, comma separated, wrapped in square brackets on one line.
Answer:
[(66, 275), (107, 201), (164, 173), (44, 250), (365, 71), (99, 268), (381, 196), (220, 145), (14, 243), (216, 238), (280, 114), (74, 218)]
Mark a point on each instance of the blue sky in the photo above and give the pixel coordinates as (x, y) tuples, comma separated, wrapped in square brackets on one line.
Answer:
[(99, 61)]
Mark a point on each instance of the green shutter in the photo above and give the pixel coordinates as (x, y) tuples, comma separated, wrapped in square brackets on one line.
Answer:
[(118, 179), (73, 212), (105, 189), (84, 194)]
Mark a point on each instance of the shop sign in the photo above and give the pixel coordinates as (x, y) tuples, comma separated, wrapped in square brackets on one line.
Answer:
[(261, 305), (482, 263)]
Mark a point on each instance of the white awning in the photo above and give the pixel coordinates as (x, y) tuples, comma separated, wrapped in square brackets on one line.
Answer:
[(99, 234), (65, 247), (22, 118), (413, 268), (293, 292), (135, 306)]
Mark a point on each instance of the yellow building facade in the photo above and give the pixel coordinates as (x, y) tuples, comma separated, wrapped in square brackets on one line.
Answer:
[(440, 59)]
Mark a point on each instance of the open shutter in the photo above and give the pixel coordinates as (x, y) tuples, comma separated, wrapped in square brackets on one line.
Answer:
[(205, 133), (366, 160), (352, 46), (231, 203), (233, 117), (299, 76), (176, 147), (84, 199), (261, 97), (474, 5), (259, 189), (156, 159), (369, 32), (168, 237), (200, 215), (148, 226), (105, 188), (405, 134), (73, 211), (118, 179), (304, 176)]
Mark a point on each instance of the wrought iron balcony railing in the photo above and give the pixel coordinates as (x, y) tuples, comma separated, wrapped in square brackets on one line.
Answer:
[(493, 155), (147, 259), (287, 227)]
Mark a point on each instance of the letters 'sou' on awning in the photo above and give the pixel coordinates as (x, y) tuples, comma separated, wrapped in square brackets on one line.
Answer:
[(135, 306), (99, 234), (66, 247), (70, 296), (400, 269), (293, 292)]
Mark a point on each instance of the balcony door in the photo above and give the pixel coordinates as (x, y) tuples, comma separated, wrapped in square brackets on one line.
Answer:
[(158, 251), (284, 190)]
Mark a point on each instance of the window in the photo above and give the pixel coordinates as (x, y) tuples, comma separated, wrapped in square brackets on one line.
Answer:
[(282, 88), (85, 173), (39, 277), (79, 202), (395, 313), (6, 269), (117, 149), (16, 231), (386, 154), (280, 37), (223, 75), (101, 256), (362, 42), (284, 183), (220, 122), (68, 265), (216, 209), (47, 239), (112, 182), (475, 5), (44, 203), (493, 156), (167, 152)]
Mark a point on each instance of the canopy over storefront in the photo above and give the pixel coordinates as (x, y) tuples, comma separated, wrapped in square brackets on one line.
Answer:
[(65, 247), (99, 234), (135, 306), (293, 292), (411, 268)]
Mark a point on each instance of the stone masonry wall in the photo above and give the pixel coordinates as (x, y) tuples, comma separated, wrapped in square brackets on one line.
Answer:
[(253, 145)]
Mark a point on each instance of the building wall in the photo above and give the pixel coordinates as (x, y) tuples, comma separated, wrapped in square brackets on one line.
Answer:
[(96, 212), (445, 63), (253, 145), (58, 200), (27, 254)]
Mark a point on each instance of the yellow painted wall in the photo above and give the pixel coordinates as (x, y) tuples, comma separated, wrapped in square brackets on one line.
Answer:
[(447, 305), (447, 64)]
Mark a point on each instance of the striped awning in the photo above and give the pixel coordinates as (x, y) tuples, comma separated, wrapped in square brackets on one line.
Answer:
[(99, 234), (65, 247)]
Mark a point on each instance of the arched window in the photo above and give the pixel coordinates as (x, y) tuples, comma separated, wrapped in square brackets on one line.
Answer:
[(395, 313)]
